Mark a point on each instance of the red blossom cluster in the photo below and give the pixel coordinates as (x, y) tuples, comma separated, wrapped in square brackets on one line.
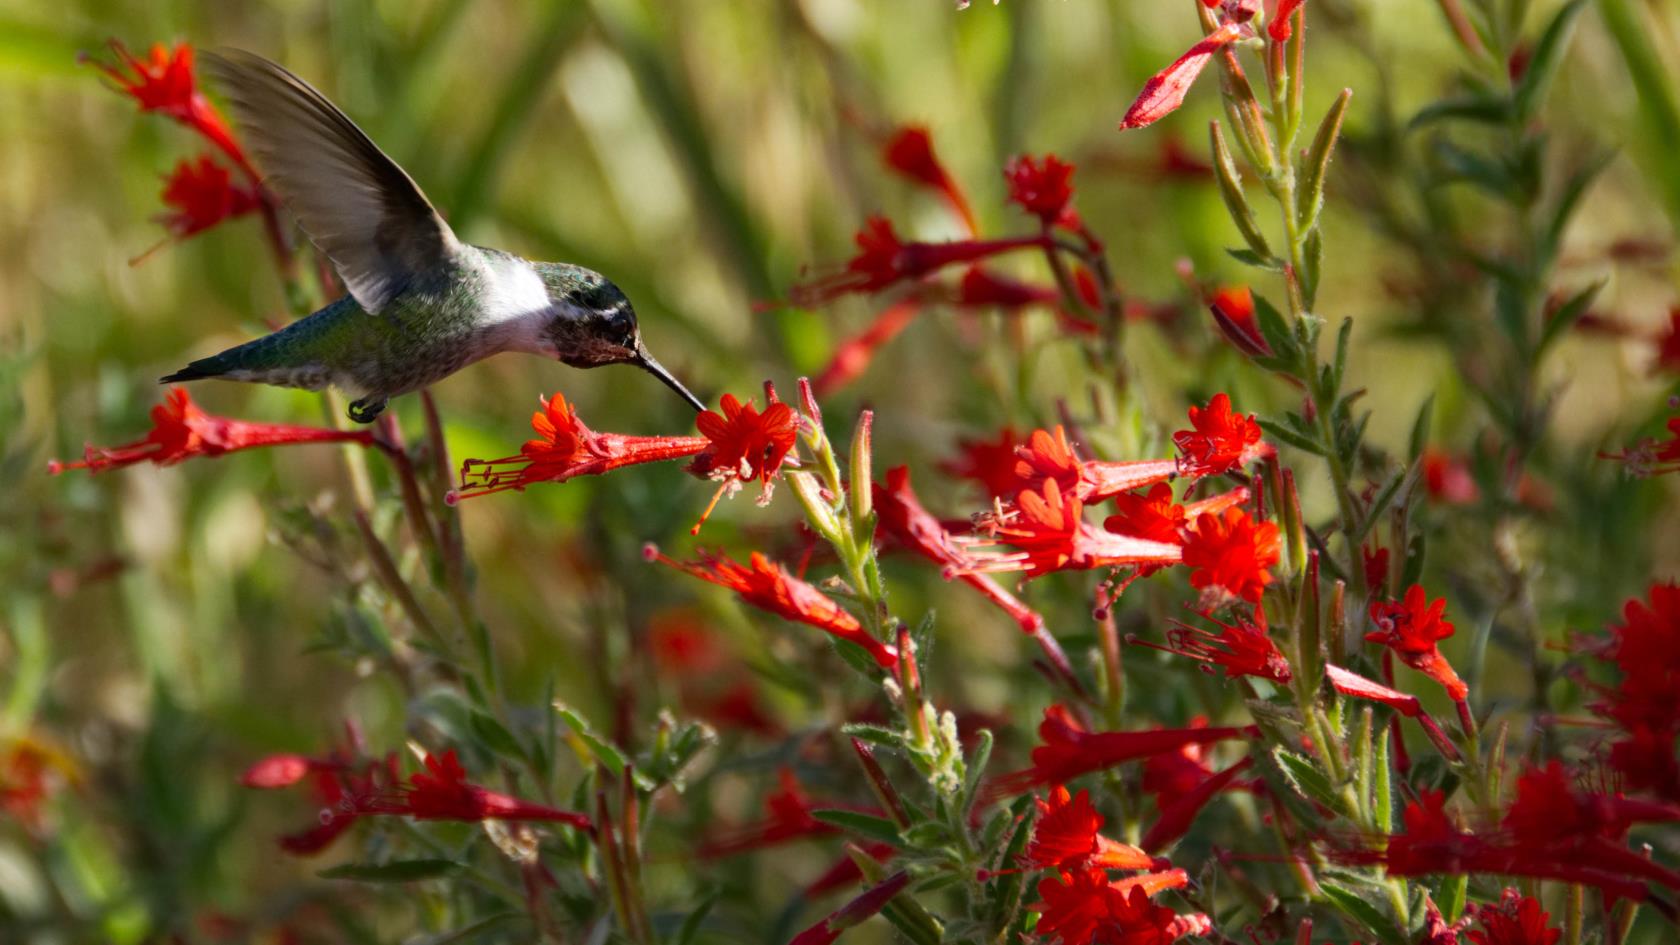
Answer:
[(200, 193), (1644, 706), (1042, 490)]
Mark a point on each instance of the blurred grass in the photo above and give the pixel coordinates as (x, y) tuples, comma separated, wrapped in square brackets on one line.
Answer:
[(699, 154)]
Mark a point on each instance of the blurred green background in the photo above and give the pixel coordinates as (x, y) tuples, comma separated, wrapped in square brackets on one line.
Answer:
[(701, 154)]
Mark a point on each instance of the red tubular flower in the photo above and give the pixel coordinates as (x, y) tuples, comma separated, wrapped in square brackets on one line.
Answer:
[(201, 195), (1067, 837), (1447, 478), (1043, 188), (1219, 441), (873, 900), (283, 770), (164, 82), (1232, 554), (1233, 313), (1083, 908), (1164, 93), (853, 355), (31, 771), (1050, 533), (910, 153), (180, 431), (442, 792), (766, 586), (980, 286), (1070, 751), (1411, 628), (904, 521), (1049, 457), (787, 818), (884, 260), (1241, 649), (1515, 920), (1178, 814), (743, 445), (991, 463), (1355, 686), (342, 790), (565, 448), (1277, 23)]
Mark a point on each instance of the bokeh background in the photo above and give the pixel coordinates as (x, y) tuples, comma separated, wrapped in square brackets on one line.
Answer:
[(166, 626)]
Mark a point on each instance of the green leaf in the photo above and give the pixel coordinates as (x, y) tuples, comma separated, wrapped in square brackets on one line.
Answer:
[(874, 734), (1357, 906), (1382, 788), (868, 825), (691, 924), (1420, 430), (1456, 163), (1566, 315), (1475, 107), (1231, 191), (1316, 164), (603, 751), (1307, 780), (395, 871), (976, 769), (1275, 330), (1283, 434), (1543, 65), (1252, 258), (1379, 505), (1569, 198), (473, 929), (494, 735)]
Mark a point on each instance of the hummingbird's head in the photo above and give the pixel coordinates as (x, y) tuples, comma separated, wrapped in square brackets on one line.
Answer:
[(594, 324)]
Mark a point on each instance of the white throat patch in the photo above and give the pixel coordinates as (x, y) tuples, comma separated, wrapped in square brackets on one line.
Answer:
[(517, 306)]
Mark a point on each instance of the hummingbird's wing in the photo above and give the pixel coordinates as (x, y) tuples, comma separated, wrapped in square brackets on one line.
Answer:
[(355, 203)]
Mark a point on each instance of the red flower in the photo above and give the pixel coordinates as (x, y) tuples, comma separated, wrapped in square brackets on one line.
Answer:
[(1067, 837), (1353, 685), (1049, 457), (853, 355), (1069, 750), (1220, 440), (991, 463), (1084, 908), (1411, 628), (202, 195), (1516, 920), (683, 645), (1232, 554), (910, 152), (1178, 812), (1050, 533), (164, 82), (283, 770), (1242, 649), (787, 817), (1651, 456), (1233, 312), (340, 788), (442, 792), (873, 900), (1375, 560), (31, 771), (980, 286), (180, 431), (884, 260), (743, 445), (766, 586), (565, 448), (1042, 188), (1447, 478), (1152, 515), (1165, 92), (1277, 23), (1645, 704)]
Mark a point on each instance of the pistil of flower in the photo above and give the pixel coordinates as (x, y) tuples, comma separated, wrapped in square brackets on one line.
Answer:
[(742, 445)]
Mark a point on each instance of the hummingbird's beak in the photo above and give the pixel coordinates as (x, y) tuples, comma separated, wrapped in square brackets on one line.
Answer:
[(646, 362)]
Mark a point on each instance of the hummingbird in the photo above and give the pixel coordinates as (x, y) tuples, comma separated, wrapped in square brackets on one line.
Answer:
[(421, 303)]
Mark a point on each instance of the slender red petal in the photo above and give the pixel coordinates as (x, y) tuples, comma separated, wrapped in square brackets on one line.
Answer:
[(1165, 92)]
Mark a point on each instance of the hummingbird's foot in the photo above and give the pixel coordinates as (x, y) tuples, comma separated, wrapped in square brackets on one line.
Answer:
[(367, 409)]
